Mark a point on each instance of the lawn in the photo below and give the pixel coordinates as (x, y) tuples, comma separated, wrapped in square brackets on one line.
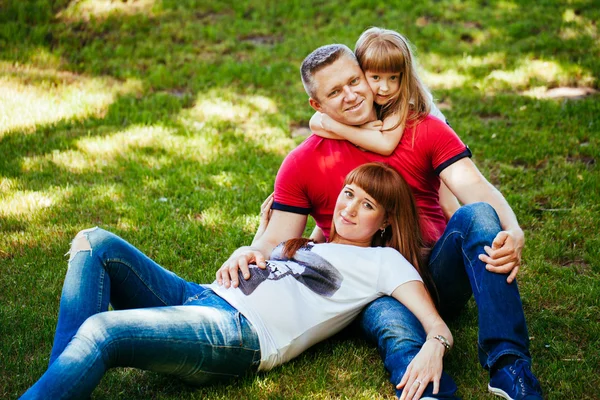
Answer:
[(166, 122)]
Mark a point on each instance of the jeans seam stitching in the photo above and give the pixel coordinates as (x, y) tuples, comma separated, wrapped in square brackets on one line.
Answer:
[(447, 236), (101, 289), (238, 323)]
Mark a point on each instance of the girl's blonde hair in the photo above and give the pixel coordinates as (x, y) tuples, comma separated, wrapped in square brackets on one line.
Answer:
[(384, 50), (403, 232)]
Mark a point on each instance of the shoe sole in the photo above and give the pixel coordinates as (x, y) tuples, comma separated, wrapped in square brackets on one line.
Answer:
[(499, 392)]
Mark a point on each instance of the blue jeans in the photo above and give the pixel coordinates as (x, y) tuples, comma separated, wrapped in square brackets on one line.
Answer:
[(458, 273), (161, 323)]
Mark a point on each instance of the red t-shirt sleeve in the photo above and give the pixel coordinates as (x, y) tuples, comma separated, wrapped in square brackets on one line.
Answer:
[(446, 147), (290, 194)]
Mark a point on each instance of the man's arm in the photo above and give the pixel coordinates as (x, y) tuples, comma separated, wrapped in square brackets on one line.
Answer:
[(448, 201), (470, 186), (265, 216), (317, 235), (282, 226)]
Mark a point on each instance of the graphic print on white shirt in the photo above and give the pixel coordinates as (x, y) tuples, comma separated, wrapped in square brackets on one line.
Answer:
[(308, 268)]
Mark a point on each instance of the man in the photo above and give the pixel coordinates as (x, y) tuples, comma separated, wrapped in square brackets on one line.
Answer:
[(477, 252)]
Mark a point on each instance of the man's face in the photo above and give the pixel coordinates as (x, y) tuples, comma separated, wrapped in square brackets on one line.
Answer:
[(343, 93)]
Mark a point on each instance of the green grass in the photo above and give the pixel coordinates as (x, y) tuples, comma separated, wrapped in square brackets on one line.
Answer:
[(166, 121)]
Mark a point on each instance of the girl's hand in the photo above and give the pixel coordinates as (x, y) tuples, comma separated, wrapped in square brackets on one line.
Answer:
[(426, 367), (326, 121), (376, 125), (265, 216), (318, 126)]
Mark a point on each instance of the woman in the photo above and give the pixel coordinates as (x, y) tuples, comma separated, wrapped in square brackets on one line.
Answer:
[(205, 333)]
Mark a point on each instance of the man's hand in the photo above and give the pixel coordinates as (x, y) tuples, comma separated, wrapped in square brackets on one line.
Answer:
[(228, 274), (281, 227), (504, 257), (426, 367), (265, 216)]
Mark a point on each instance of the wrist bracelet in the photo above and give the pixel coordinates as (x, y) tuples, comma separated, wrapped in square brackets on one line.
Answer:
[(443, 341)]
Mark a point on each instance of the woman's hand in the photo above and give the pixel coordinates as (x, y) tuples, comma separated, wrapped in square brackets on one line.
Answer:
[(265, 216), (426, 367)]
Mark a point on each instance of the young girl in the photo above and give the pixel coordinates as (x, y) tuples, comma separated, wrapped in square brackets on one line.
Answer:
[(206, 333)]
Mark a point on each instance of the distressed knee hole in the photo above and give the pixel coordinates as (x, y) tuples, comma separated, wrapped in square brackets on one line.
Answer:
[(80, 243)]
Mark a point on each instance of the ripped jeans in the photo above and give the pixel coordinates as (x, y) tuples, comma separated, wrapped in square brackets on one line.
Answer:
[(161, 323)]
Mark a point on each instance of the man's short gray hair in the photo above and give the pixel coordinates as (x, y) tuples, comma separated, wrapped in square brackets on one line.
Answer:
[(319, 59)]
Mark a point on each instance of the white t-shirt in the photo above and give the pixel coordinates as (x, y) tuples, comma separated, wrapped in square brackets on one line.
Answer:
[(296, 303)]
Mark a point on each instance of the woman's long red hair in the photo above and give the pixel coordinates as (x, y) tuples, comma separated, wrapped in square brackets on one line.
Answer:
[(403, 232)]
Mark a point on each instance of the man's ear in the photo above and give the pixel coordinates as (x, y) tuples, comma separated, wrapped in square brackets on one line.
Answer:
[(314, 104)]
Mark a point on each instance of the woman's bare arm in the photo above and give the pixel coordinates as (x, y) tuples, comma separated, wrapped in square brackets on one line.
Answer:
[(427, 366)]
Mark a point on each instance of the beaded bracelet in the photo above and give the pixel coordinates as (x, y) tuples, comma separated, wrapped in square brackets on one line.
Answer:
[(443, 341)]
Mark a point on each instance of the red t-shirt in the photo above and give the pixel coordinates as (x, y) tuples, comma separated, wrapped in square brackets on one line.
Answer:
[(312, 175)]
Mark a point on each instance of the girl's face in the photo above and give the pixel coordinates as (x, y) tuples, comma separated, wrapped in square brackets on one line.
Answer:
[(357, 216), (385, 85)]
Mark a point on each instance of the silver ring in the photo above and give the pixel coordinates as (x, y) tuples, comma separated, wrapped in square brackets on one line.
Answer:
[(419, 382), (261, 214)]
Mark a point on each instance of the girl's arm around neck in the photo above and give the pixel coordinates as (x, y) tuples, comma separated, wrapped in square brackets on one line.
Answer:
[(374, 136), (316, 127)]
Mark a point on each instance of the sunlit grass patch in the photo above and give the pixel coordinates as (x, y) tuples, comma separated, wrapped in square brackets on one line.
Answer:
[(107, 192), (531, 72), (254, 116), (8, 184), (542, 92), (124, 144), (492, 73), (213, 217), (93, 154), (86, 9), (25, 204), (576, 25), (31, 96), (233, 108), (448, 79), (490, 60)]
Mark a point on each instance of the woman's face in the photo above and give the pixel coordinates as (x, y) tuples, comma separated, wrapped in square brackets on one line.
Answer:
[(357, 216), (385, 85)]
